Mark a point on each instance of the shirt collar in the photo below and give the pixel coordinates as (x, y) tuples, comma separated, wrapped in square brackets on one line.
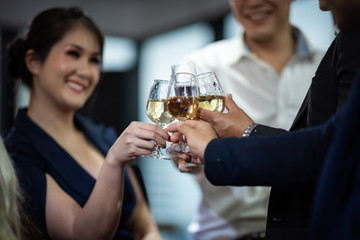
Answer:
[(303, 48), (235, 53)]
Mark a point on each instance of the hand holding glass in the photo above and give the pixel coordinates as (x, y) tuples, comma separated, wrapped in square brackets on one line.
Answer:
[(157, 112), (211, 96)]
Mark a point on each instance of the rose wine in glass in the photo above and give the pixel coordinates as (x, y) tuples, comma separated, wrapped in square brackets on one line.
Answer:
[(182, 104)]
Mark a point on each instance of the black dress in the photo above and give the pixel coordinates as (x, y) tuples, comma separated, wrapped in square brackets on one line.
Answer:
[(35, 154)]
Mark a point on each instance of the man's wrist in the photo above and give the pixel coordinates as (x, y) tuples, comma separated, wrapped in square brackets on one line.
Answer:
[(249, 129)]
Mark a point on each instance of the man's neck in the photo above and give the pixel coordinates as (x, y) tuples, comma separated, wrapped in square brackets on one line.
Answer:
[(276, 51)]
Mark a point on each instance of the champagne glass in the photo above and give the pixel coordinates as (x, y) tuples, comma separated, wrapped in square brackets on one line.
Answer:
[(157, 112), (182, 104), (211, 96)]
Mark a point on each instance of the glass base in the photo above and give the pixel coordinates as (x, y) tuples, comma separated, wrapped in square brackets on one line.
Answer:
[(175, 151), (157, 154), (190, 165)]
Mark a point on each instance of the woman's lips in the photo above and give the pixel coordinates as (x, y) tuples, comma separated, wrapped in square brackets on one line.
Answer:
[(76, 86)]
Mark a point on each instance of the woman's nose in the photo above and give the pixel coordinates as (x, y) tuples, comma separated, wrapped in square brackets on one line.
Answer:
[(84, 68)]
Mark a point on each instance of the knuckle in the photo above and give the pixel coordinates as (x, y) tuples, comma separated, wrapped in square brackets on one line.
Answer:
[(129, 142), (152, 135), (132, 150), (153, 127)]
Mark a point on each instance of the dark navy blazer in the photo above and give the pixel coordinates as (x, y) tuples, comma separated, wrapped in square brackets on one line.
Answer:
[(336, 213), (331, 150)]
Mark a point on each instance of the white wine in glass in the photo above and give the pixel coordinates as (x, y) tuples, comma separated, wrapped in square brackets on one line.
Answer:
[(157, 112), (211, 94)]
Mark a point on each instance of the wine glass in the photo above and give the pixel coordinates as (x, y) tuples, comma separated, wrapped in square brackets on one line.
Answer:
[(182, 104), (157, 112), (185, 67), (211, 96)]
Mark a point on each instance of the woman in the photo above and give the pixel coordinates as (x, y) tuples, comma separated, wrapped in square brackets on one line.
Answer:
[(73, 169)]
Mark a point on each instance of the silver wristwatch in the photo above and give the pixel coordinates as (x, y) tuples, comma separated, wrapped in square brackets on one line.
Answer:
[(249, 129)]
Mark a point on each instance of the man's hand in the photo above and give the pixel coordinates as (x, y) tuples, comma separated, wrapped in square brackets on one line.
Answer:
[(197, 133), (230, 124)]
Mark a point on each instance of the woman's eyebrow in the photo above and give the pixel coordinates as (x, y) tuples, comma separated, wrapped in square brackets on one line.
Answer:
[(81, 48)]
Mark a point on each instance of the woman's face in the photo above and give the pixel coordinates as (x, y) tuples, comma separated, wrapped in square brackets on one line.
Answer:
[(261, 18), (70, 73)]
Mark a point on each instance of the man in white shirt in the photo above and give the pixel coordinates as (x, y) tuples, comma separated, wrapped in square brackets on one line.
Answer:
[(268, 70)]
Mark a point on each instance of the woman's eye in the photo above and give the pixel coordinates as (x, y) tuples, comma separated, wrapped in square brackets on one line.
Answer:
[(95, 60), (73, 53)]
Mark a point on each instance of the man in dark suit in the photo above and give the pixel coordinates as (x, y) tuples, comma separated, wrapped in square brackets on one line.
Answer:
[(331, 150), (336, 212), (292, 190)]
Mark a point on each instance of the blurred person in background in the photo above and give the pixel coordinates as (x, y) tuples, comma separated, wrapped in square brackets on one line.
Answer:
[(77, 174), (268, 69), (14, 223), (10, 199)]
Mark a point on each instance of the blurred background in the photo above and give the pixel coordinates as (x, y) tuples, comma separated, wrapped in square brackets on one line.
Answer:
[(143, 38)]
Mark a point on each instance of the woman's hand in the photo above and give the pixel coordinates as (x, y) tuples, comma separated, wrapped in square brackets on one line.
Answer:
[(138, 139)]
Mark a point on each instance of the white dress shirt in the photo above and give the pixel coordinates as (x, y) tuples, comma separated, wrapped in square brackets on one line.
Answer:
[(227, 212)]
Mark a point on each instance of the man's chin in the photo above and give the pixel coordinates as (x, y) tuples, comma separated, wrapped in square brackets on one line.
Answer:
[(323, 5)]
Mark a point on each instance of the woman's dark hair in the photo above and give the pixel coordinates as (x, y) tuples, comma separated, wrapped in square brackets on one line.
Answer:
[(45, 30)]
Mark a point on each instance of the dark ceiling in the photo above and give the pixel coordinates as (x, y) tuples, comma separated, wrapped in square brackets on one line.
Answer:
[(136, 19)]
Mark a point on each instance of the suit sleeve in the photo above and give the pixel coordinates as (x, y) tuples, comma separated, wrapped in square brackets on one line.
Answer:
[(283, 160), (262, 130)]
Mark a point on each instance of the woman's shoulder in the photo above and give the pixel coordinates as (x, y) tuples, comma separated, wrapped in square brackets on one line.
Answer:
[(16, 142)]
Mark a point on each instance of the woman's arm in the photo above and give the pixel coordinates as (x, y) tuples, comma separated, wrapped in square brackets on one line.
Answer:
[(141, 222), (99, 217)]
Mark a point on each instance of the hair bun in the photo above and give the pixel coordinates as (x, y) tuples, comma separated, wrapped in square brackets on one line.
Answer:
[(15, 57)]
